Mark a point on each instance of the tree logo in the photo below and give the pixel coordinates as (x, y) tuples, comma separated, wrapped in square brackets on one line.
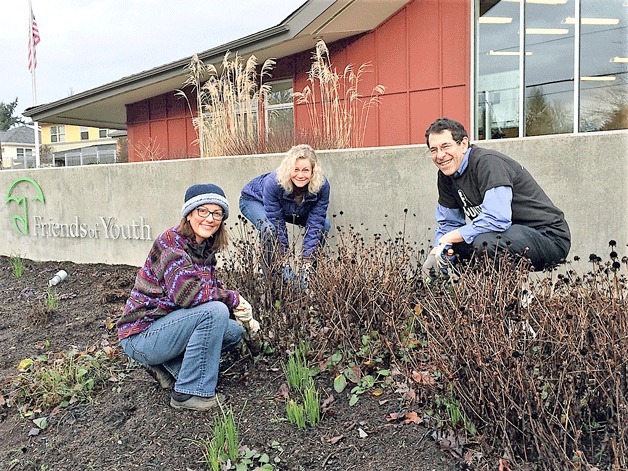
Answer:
[(20, 221)]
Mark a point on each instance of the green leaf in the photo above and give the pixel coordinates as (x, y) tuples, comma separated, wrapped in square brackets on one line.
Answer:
[(383, 372), (42, 422), (264, 458), (242, 466), (267, 467), (335, 358), (340, 383), (353, 400)]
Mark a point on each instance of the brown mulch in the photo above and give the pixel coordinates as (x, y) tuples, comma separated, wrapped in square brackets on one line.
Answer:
[(129, 424)]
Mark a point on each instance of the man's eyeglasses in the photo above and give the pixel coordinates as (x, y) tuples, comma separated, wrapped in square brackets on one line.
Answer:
[(204, 212)]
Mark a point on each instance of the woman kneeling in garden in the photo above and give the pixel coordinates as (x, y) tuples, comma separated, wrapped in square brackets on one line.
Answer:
[(297, 192), (177, 318)]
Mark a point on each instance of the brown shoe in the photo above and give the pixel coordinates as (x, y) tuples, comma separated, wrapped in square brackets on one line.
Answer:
[(188, 401), (161, 375)]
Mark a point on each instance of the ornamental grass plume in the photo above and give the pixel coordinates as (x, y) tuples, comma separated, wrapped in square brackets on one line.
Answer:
[(338, 114)]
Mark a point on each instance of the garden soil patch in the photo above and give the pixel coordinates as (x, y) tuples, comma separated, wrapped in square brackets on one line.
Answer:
[(130, 426)]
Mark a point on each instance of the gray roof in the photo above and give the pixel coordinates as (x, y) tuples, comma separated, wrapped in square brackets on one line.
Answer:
[(18, 135), (331, 20)]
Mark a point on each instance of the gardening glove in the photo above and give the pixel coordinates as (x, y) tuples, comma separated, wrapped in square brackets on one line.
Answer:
[(244, 316), (444, 256), (429, 267), (305, 273)]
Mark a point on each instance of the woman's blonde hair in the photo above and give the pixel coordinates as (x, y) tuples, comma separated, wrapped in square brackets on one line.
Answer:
[(220, 238), (302, 151)]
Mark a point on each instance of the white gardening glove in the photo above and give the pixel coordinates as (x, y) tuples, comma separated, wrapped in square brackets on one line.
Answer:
[(443, 254), (430, 267), (244, 316)]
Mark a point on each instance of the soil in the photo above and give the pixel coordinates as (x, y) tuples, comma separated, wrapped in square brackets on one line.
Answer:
[(129, 425)]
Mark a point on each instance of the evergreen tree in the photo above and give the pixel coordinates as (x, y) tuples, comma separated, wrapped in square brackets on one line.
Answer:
[(7, 119)]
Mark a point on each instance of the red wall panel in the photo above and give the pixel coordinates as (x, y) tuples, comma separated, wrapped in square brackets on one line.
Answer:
[(392, 54), (425, 107), (456, 104), (393, 120), (424, 45)]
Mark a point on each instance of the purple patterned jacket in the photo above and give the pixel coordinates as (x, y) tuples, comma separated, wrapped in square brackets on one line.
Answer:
[(178, 273)]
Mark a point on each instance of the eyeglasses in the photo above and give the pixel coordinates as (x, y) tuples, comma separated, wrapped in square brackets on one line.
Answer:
[(446, 147), (204, 212)]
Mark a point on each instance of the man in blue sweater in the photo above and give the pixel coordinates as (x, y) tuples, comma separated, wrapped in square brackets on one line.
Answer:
[(487, 202)]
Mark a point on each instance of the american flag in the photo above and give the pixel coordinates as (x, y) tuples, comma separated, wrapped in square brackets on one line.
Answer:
[(33, 41)]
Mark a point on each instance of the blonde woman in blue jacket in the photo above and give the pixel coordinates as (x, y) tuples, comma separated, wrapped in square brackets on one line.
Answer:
[(297, 192)]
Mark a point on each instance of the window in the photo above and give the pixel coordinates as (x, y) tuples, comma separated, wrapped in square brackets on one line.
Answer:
[(84, 133), (102, 133), (526, 56), (279, 114), (57, 133), (24, 158)]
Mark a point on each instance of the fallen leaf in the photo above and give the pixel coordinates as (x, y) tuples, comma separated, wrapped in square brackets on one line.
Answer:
[(382, 402), (282, 393), (362, 433), (418, 309), (377, 392), (503, 465), (326, 403), (24, 365), (33, 432), (423, 377), (353, 374), (334, 440), (109, 323), (413, 417), (394, 416), (41, 422)]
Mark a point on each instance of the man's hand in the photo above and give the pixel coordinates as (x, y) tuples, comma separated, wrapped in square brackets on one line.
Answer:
[(438, 261), (244, 316), (430, 266), (444, 255)]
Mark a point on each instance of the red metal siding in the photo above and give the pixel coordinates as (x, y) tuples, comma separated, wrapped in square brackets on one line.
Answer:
[(421, 55), (161, 128)]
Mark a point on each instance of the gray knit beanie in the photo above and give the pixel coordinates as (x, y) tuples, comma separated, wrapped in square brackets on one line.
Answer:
[(198, 195)]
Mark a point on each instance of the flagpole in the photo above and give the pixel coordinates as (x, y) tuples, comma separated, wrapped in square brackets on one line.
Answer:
[(31, 46)]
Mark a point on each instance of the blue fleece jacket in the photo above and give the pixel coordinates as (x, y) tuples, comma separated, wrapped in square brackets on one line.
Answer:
[(280, 206)]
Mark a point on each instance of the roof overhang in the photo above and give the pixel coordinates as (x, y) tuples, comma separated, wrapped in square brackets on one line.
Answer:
[(105, 106)]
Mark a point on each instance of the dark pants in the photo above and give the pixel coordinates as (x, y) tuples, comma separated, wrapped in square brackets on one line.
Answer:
[(543, 248)]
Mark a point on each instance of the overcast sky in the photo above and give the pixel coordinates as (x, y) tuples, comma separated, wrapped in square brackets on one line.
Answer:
[(88, 43)]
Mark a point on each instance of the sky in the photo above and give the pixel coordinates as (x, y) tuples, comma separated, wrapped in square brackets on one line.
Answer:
[(88, 43)]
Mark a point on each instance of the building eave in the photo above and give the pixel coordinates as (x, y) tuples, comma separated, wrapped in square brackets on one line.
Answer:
[(105, 106)]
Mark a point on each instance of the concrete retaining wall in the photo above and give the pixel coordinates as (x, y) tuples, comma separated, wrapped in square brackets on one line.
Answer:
[(111, 213)]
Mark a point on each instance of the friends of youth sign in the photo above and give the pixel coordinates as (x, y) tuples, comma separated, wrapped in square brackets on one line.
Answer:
[(107, 227)]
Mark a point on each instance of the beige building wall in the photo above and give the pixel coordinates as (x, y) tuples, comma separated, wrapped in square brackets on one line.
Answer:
[(111, 213)]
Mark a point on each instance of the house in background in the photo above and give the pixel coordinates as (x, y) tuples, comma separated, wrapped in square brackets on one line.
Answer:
[(503, 68), (78, 145), (17, 147)]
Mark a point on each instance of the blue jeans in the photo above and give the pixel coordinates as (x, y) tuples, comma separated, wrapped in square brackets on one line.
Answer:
[(254, 211), (188, 343)]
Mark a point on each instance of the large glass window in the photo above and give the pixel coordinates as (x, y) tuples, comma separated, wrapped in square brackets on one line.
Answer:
[(549, 67), (497, 63), (560, 39), (603, 65)]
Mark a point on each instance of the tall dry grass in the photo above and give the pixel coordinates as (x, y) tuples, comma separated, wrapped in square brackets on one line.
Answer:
[(337, 112), (229, 120)]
